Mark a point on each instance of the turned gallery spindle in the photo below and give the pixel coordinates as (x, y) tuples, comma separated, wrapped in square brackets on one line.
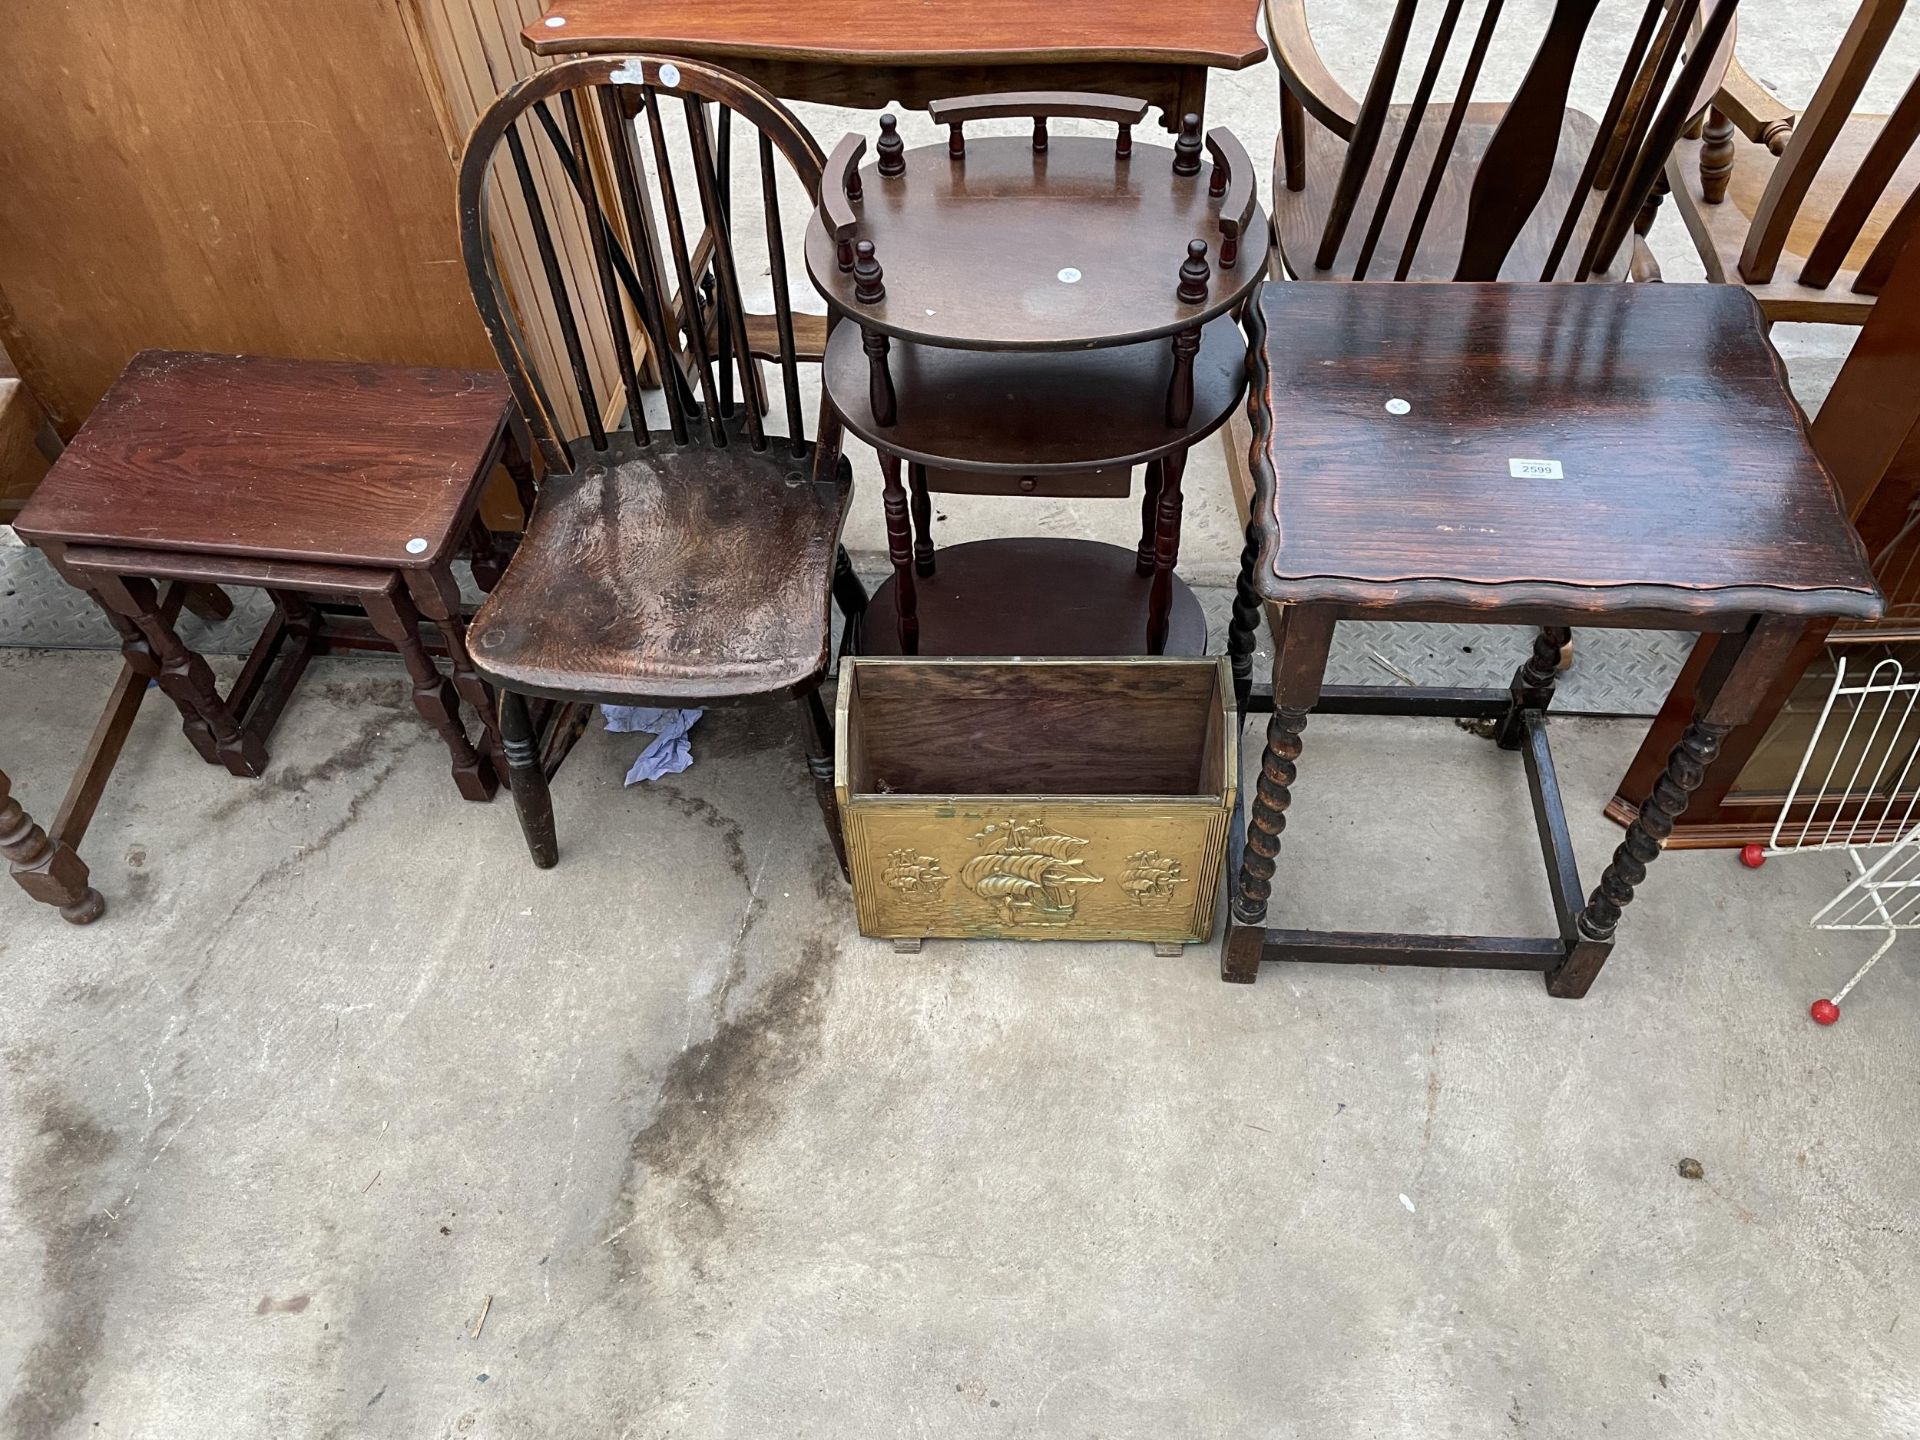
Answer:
[(1194, 273), (868, 279), (1186, 150), (890, 148), (1040, 132)]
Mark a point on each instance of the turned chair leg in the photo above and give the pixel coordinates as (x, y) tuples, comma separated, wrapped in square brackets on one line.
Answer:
[(527, 778), (1149, 520), (1299, 662), (906, 605), (1532, 687), (816, 736), (184, 675), (1166, 552), (848, 593), (851, 596), (922, 521), (433, 693), (48, 870)]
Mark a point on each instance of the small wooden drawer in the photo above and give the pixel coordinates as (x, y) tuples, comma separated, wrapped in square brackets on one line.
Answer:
[(1036, 799), (1113, 483)]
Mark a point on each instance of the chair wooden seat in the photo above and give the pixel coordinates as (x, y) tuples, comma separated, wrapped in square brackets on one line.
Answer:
[(1687, 483), (1300, 216), (672, 575), (1720, 230)]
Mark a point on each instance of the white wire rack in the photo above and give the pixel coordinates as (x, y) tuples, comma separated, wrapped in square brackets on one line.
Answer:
[(1866, 791), (1857, 790)]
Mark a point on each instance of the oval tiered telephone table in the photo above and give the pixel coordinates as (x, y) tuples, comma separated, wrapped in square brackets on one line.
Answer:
[(1036, 316)]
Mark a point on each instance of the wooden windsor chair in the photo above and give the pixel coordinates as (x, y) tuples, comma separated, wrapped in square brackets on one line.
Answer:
[(1530, 188), (688, 562), (1811, 215)]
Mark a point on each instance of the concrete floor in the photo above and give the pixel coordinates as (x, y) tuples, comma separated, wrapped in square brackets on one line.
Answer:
[(347, 1122)]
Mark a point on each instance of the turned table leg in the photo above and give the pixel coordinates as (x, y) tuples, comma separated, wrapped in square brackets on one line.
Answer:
[(1149, 520), (1532, 687), (816, 735), (1166, 552), (1716, 157), (184, 675), (48, 870), (1299, 662), (906, 605), (527, 778), (394, 616), (922, 520), (1729, 693), (436, 594), (140, 659), (1243, 628)]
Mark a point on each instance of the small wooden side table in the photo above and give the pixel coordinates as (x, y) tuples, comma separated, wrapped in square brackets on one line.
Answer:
[(1524, 454), (1036, 317), (346, 491), (866, 58)]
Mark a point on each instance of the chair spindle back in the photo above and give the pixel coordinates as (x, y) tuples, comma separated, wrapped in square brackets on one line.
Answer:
[(660, 279), (1657, 92), (1812, 139)]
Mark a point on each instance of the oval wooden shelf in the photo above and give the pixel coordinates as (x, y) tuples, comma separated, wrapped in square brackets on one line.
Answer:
[(1024, 413), (1011, 248), (1034, 597)]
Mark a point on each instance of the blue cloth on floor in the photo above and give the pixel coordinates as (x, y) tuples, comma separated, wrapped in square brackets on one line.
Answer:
[(671, 750)]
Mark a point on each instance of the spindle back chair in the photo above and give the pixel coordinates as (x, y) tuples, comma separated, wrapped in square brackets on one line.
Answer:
[(688, 558), (1466, 189), (1811, 216)]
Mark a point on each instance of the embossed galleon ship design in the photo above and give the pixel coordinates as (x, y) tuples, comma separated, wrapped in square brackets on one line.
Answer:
[(913, 874), (1028, 871), (1152, 880)]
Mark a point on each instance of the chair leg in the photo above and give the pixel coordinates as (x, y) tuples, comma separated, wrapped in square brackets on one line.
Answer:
[(1149, 519), (48, 870), (848, 593), (433, 693), (1532, 686), (816, 735), (532, 801), (922, 521), (1299, 662)]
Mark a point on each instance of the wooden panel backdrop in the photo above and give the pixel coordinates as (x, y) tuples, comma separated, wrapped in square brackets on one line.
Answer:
[(227, 175)]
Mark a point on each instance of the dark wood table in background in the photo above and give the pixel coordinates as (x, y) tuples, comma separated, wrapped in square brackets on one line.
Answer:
[(872, 56)]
